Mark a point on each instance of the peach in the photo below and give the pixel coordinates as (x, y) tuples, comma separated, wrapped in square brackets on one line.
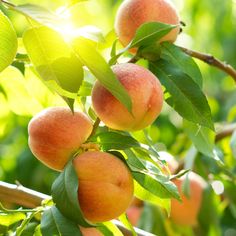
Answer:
[(134, 211), (133, 13), (134, 214), (145, 92), (90, 232), (105, 185), (186, 213), (55, 134)]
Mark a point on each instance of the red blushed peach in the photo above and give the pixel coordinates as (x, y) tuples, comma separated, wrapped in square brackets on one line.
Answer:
[(133, 13), (186, 213), (145, 92), (105, 185), (55, 134)]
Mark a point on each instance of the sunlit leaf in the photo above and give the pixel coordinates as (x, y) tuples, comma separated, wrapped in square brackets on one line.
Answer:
[(186, 96), (19, 99), (101, 70), (114, 140), (123, 218), (7, 219), (65, 195), (146, 195), (202, 137), (74, 2), (110, 229), (8, 42), (38, 13), (53, 59)]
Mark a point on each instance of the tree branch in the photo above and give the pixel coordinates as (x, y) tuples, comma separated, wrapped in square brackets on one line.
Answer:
[(226, 131), (211, 60), (26, 197)]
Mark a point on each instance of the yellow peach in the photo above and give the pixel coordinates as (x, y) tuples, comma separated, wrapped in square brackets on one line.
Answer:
[(55, 134), (145, 92), (186, 212), (133, 13), (105, 185)]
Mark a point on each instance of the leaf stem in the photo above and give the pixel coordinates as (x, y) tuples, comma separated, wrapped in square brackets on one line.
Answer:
[(95, 127), (211, 60)]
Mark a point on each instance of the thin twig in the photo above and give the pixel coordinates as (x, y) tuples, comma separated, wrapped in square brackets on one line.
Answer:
[(26, 197), (211, 60), (226, 131), (7, 3)]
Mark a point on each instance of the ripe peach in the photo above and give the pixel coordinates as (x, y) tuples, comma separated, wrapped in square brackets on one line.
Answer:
[(186, 213), (105, 185), (133, 13), (145, 92), (90, 232), (134, 211), (56, 133), (134, 214)]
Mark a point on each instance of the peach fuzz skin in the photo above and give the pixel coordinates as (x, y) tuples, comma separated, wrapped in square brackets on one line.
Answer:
[(186, 213), (55, 134), (105, 185), (133, 13), (145, 92), (90, 232)]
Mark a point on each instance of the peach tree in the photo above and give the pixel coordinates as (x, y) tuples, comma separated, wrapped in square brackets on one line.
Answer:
[(93, 104)]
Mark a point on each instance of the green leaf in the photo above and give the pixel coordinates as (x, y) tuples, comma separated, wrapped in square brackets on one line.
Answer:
[(101, 70), (185, 96), (158, 185), (146, 34), (54, 223), (202, 137), (109, 229), (8, 42), (65, 195), (53, 59), (147, 196), (123, 219), (150, 32), (7, 219), (30, 229), (25, 222), (151, 178), (114, 140), (177, 57)]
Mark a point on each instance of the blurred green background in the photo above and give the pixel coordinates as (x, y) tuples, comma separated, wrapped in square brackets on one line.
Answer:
[(210, 28)]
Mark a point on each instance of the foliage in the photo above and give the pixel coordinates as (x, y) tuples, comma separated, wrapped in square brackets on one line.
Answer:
[(54, 57)]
